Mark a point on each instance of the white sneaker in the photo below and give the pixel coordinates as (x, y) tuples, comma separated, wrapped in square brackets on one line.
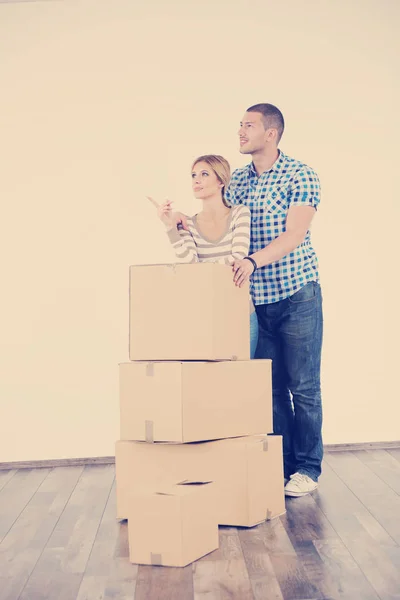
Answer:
[(300, 485), (285, 480)]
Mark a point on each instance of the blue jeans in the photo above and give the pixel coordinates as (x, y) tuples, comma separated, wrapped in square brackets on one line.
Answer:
[(290, 333), (253, 333)]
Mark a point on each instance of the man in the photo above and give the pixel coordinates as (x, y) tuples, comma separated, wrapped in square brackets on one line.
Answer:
[(283, 194)]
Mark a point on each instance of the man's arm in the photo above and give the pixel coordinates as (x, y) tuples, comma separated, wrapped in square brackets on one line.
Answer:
[(298, 222), (303, 200)]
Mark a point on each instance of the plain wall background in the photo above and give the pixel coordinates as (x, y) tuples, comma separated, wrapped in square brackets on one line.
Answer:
[(104, 102)]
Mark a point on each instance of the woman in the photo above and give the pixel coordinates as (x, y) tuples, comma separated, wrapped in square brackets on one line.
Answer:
[(219, 233)]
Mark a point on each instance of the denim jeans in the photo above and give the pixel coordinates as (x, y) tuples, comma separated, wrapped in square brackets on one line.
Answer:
[(290, 333), (253, 333)]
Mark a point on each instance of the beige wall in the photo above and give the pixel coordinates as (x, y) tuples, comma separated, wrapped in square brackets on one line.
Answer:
[(104, 102)]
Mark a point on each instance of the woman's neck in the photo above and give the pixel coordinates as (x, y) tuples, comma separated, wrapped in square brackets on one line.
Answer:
[(214, 209)]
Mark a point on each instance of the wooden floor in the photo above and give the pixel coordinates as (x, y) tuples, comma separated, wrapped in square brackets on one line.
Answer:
[(59, 540)]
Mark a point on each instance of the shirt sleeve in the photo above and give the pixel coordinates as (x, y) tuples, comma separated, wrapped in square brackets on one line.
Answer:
[(183, 245), (241, 234), (305, 189), (230, 191)]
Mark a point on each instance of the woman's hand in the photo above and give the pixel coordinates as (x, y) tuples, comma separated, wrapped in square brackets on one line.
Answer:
[(170, 219), (164, 212)]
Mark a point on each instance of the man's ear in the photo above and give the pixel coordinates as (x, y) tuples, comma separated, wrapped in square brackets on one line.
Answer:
[(271, 134)]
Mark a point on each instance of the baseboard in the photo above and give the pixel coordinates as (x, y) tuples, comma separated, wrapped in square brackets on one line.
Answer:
[(361, 446), (110, 460), (58, 462)]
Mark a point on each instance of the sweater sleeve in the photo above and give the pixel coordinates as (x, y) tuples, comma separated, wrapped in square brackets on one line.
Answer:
[(183, 244), (241, 234)]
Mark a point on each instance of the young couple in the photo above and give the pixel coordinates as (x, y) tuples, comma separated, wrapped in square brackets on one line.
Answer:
[(258, 221)]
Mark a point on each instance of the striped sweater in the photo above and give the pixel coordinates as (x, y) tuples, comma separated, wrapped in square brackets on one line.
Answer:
[(192, 246)]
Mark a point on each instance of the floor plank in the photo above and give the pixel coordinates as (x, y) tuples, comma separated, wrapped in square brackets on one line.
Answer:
[(263, 580), (60, 568), (305, 522), (223, 575), (384, 465), (349, 580), (290, 577), (164, 583), (5, 477), (395, 452), (370, 545), (328, 563), (22, 546), (381, 501), (108, 573), (229, 546), (16, 494), (221, 580)]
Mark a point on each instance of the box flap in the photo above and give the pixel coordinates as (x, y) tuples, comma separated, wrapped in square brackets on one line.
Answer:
[(184, 265), (193, 482), (182, 488)]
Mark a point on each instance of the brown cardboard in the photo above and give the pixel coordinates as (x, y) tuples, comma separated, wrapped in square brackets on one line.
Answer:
[(193, 401), (247, 471), (172, 525), (187, 312)]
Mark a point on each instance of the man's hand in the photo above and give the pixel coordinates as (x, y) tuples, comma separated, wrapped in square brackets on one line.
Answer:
[(242, 270)]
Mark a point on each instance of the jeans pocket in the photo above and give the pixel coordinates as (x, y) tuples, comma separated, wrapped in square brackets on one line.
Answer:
[(305, 294)]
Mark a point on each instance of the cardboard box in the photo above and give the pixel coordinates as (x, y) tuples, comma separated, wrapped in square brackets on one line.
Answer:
[(247, 471), (188, 312), (172, 525), (192, 401)]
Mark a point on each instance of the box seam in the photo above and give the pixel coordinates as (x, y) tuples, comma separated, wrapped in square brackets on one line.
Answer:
[(129, 310), (181, 520), (181, 401), (247, 485)]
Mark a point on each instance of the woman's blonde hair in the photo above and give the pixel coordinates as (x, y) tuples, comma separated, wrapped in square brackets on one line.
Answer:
[(221, 168)]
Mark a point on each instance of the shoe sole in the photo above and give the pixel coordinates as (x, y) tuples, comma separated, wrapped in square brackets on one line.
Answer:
[(299, 494)]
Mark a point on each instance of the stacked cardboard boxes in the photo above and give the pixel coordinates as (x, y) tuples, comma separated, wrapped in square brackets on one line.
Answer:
[(195, 413)]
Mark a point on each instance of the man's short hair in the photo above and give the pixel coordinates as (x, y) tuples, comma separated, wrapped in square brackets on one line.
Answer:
[(271, 117)]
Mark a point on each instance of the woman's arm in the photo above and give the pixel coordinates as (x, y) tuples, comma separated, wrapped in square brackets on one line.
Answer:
[(182, 241), (183, 245), (241, 234)]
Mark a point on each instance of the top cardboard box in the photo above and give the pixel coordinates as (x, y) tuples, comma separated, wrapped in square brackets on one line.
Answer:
[(187, 312)]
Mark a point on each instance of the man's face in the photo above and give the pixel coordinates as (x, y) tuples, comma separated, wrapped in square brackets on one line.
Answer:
[(252, 133)]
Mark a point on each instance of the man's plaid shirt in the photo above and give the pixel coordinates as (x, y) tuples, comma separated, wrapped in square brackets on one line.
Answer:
[(269, 197)]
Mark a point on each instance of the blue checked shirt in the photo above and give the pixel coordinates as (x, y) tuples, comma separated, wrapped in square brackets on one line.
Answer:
[(269, 197)]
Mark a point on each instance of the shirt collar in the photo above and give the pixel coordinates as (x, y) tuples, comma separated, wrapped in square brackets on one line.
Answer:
[(277, 166)]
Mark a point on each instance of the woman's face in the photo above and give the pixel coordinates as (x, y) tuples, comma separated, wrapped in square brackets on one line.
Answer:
[(205, 182)]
